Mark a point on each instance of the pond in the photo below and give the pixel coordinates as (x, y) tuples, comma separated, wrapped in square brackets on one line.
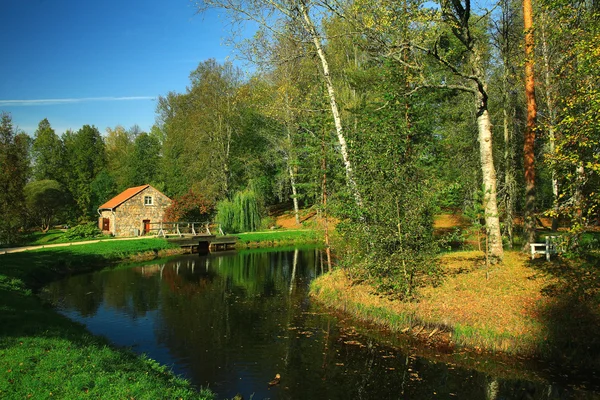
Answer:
[(232, 321)]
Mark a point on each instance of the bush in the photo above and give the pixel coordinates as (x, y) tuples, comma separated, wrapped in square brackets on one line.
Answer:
[(85, 231)]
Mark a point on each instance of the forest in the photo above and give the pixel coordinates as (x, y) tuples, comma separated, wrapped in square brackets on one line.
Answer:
[(377, 114)]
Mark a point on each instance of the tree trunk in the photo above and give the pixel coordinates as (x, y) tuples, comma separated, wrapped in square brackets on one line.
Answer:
[(294, 193), (507, 107), (310, 27), (551, 110), (492, 220), (529, 144), (509, 178), (324, 190), (494, 251), (289, 149)]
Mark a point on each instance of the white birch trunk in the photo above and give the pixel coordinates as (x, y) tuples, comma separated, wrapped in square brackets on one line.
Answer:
[(492, 220), (310, 27), (294, 193), (494, 251)]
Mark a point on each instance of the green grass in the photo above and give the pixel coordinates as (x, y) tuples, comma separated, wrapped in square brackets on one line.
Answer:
[(54, 236), (278, 238), (43, 354)]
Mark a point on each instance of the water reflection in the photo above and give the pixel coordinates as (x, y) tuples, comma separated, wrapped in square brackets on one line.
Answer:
[(233, 321)]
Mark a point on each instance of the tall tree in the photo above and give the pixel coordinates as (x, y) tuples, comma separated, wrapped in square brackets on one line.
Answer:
[(45, 199), (200, 127), (119, 149), (273, 18), (14, 172), (145, 160), (87, 157), (529, 143), (48, 153), (507, 38), (466, 66), (577, 140)]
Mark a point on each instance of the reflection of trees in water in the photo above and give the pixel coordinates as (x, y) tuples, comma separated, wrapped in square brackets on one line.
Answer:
[(246, 304), (229, 317), (83, 293)]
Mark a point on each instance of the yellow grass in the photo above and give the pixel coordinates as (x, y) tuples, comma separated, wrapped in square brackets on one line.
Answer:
[(501, 313)]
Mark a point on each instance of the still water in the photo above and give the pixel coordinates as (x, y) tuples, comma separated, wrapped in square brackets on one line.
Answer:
[(232, 321)]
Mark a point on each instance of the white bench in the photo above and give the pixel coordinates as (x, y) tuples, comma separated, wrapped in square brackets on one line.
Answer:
[(544, 248)]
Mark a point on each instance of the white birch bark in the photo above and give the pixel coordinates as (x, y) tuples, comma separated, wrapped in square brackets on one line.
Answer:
[(492, 220), (294, 193), (310, 27)]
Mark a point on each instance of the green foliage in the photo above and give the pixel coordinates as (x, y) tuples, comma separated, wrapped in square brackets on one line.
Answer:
[(576, 159), (205, 121), (103, 188), (119, 149), (145, 160), (48, 154), (84, 231), (279, 236), (45, 199), (240, 215), (14, 172), (390, 240), (86, 158)]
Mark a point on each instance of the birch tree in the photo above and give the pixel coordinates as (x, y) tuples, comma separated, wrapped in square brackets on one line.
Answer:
[(468, 75), (272, 17)]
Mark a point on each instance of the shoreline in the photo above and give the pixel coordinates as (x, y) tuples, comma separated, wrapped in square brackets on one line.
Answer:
[(506, 316), (43, 353), (41, 349)]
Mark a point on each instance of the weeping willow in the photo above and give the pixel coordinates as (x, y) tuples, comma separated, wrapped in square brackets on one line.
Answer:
[(241, 214)]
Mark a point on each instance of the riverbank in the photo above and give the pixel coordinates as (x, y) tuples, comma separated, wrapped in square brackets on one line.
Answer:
[(524, 309), (43, 354), (278, 238)]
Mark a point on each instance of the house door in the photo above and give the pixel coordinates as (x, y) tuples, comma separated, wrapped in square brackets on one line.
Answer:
[(105, 224), (146, 226)]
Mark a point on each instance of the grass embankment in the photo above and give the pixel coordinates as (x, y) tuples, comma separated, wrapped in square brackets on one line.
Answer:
[(43, 354), (277, 238), (524, 308)]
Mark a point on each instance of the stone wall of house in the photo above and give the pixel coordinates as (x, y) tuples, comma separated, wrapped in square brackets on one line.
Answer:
[(131, 213), (111, 217)]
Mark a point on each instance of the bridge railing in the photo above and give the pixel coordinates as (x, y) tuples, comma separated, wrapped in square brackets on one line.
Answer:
[(164, 229)]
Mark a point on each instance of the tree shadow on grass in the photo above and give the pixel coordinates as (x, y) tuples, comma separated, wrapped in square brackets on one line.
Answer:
[(571, 315), (21, 275)]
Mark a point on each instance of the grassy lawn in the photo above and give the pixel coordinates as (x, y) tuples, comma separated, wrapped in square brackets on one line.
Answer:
[(278, 238), (55, 236), (43, 354)]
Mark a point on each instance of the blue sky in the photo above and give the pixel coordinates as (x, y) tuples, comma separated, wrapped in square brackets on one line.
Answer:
[(99, 63)]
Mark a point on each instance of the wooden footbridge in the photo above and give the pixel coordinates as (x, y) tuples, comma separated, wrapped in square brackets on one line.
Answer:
[(196, 236)]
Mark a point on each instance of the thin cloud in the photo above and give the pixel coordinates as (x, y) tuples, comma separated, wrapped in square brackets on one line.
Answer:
[(48, 102)]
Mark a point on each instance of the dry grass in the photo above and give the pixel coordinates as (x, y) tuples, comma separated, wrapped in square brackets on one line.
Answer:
[(450, 221), (501, 313)]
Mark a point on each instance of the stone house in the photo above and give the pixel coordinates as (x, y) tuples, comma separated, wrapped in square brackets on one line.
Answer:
[(132, 212)]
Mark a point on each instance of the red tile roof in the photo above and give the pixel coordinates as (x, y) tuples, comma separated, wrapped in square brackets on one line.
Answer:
[(121, 198)]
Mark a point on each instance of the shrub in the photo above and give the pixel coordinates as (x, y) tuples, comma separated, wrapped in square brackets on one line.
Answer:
[(84, 231)]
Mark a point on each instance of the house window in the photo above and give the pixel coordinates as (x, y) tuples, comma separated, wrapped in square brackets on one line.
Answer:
[(147, 200)]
